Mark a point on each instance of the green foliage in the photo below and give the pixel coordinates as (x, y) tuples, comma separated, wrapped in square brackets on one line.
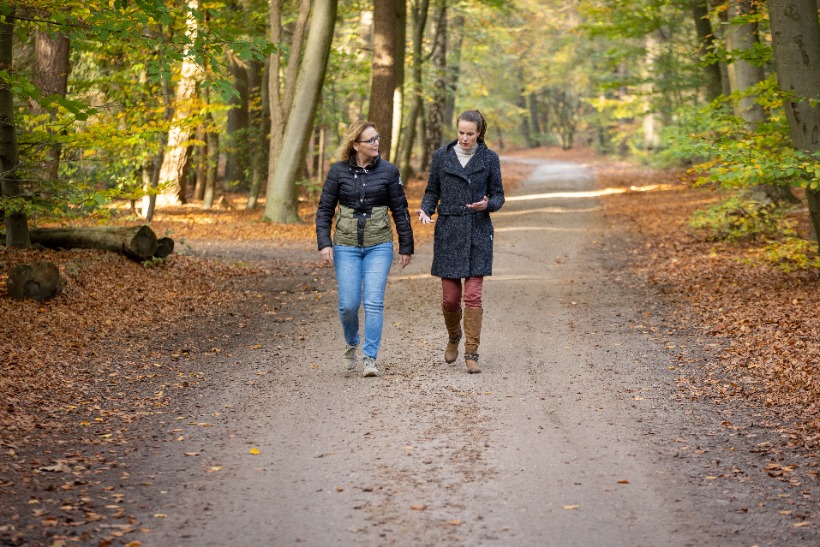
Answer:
[(153, 262), (733, 154), (739, 218), (792, 254)]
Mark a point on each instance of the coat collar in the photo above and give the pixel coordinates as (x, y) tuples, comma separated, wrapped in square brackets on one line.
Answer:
[(351, 162), (453, 166)]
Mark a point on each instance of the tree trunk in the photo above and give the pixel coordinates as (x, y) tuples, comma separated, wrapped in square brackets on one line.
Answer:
[(212, 159), (176, 153), (281, 86), (137, 242), (406, 152), (50, 77), (742, 74), (17, 234), (706, 42), (38, 281), (438, 97), (281, 203), (398, 92), (796, 41), (200, 157), (257, 128), (236, 138), (525, 120), (153, 166), (453, 69), (165, 246), (383, 71)]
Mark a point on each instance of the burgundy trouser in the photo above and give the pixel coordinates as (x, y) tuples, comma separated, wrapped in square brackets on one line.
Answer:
[(451, 293)]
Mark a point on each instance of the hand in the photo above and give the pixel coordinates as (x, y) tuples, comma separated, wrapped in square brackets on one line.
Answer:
[(423, 217), (479, 205), (327, 255), (404, 260)]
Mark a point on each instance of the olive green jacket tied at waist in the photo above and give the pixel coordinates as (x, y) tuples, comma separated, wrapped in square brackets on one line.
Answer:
[(364, 195)]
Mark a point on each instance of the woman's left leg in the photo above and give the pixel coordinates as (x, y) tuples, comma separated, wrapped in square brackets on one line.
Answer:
[(473, 315), (376, 266)]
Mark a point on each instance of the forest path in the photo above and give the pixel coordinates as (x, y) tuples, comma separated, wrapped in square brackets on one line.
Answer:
[(573, 435)]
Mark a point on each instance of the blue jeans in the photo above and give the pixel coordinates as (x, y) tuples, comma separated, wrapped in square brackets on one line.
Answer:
[(361, 273)]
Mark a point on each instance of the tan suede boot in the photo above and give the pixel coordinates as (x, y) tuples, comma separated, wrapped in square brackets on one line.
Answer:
[(452, 319), (472, 334)]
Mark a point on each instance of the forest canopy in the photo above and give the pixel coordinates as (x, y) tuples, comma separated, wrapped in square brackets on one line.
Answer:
[(117, 107)]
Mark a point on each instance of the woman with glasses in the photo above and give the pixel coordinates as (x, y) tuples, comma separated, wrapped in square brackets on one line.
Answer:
[(465, 186), (364, 187)]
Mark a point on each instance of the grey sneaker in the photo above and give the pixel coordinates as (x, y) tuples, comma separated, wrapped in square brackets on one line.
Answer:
[(370, 367), (350, 357)]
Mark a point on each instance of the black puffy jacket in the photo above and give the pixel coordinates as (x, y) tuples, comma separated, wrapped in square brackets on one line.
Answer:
[(361, 189)]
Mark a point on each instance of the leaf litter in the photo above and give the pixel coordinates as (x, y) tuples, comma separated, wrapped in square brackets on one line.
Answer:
[(77, 373)]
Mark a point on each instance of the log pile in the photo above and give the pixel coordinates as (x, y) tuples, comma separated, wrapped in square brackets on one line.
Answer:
[(41, 281)]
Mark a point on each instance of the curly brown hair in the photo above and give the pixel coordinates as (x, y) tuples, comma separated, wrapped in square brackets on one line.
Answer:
[(353, 133)]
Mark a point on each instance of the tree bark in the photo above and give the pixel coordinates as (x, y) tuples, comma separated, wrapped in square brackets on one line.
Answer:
[(258, 124), (796, 41), (398, 92), (17, 233), (281, 86), (406, 153), (742, 74), (456, 34), (137, 242), (50, 77), (176, 154), (706, 44), (438, 96), (383, 71), (236, 139), (281, 202), (38, 281), (165, 246)]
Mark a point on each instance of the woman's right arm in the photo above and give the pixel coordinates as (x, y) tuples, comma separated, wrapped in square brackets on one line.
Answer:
[(431, 194), (326, 210)]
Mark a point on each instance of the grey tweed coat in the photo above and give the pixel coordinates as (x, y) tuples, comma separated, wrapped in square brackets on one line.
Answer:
[(463, 241)]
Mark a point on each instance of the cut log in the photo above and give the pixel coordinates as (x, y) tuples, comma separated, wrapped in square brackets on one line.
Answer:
[(38, 281), (136, 242), (165, 246)]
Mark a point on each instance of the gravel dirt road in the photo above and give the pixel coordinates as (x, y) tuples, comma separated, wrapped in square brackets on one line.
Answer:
[(574, 434)]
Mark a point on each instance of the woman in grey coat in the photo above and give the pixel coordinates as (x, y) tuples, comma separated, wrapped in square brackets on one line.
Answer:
[(464, 187)]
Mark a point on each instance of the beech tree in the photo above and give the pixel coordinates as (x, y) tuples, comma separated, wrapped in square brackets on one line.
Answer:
[(796, 40), (176, 154), (384, 74), (17, 234), (419, 9), (50, 77), (288, 152)]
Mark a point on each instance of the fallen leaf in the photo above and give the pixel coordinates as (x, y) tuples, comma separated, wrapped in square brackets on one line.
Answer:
[(340, 489), (160, 515), (569, 507), (255, 451), (623, 481), (418, 507), (192, 453)]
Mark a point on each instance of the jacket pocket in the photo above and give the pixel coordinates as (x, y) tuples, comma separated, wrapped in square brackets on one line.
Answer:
[(345, 233), (378, 228)]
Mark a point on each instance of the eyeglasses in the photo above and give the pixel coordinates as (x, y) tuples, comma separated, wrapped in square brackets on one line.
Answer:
[(371, 140)]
